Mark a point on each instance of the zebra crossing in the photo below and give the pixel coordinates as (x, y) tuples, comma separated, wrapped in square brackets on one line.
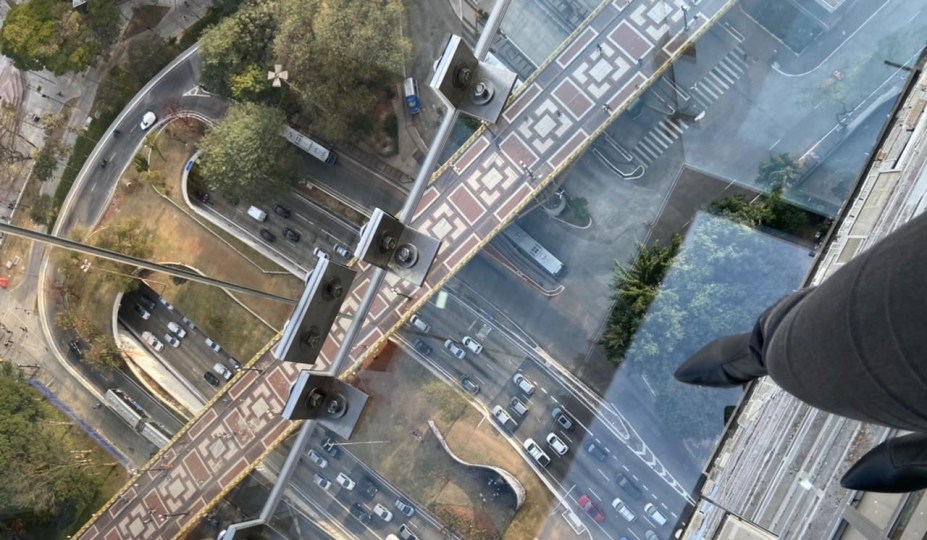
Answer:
[(702, 94)]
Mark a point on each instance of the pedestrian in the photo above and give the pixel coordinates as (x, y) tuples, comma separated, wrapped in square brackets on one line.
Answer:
[(598, 47), (606, 108), (559, 114)]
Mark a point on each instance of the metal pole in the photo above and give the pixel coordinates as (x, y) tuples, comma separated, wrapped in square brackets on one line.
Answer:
[(140, 263), (289, 466)]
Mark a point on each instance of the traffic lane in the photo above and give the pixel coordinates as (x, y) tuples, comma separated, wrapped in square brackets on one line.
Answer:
[(353, 181), (335, 227), (330, 500)]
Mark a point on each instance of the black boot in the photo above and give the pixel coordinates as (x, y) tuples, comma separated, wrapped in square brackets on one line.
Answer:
[(725, 362), (898, 465)]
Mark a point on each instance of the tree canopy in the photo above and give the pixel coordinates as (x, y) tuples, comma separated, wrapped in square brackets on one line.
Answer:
[(779, 171), (52, 35), (237, 52), (242, 153)]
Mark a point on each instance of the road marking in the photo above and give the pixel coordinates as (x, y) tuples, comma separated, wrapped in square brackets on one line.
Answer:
[(775, 143), (563, 435), (94, 187), (543, 389), (915, 15), (645, 487), (594, 494), (634, 476), (625, 467), (602, 473)]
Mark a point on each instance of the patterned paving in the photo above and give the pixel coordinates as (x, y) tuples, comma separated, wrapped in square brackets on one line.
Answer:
[(570, 100)]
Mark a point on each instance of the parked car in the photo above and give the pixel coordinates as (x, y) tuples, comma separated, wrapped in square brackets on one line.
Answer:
[(211, 379), (329, 446), (535, 451), (472, 344), (188, 322), (149, 338), (281, 210), (142, 312), (519, 407), (213, 345), (345, 481), (343, 251), (469, 385), (560, 415), (222, 370), (147, 301), (360, 514), (628, 486), (417, 322), (236, 365), (316, 458), (590, 508), (523, 384), (454, 349), (369, 488), (166, 304), (171, 340), (623, 510), (504, 418), (655, 515), (267, 235), (291, 234), (406, 508), (382, 512), (405, 533), (321, 481), (597, 450), (557, 445), (176, 329), (422, 347)]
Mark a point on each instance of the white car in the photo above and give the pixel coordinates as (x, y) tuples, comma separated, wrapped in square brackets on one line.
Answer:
[(177, 330), (381, 511), (623, 510), (535, 451), (523, 384), (472, 344), (171, 340), (148, 120), (153, 341), (321, 481), (222, 370), (213, 345), (405, 508), (420, 324), (166, 304), (454, 349), (345, 481), (556, 444), (317, 459)]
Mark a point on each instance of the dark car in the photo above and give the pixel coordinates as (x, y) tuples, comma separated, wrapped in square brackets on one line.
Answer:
[(560, 415), (201, 196), (369, 488), (281, 210), (236, 365), (211, 379), (422, 347), (142, 312), (469, 385), (329, 446), (629, 486), (74, 345), (360, 514), (291, 234), (267, 235), (405, 533), (596, 449), (147, 301)]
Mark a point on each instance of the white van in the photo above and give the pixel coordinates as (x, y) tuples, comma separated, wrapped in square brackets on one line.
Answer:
[(257, 214), (654, 514)]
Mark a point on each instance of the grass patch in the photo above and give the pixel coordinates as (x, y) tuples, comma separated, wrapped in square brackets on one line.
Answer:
[(143, 18)]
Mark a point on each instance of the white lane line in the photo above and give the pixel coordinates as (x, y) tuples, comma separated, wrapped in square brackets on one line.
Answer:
[(594, 494), (625, 467), (603, 474), (775, 143)]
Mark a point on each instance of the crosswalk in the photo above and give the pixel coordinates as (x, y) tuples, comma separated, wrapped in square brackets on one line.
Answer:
[(702, 94)]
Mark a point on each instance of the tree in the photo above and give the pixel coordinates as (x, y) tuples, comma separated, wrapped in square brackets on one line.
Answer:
[(772, 211), (46, 161), (337, 78), (41, 209), (147, 55), (103, 353), (48, 34), (780, 170), (127, 237), (241, 153), (238, 48)]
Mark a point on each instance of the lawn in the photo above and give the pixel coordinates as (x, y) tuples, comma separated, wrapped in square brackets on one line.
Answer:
[(399, 408)]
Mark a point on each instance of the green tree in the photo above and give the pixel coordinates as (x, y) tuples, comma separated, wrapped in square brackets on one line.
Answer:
[(103, 353), (780, 170), (337, 79), (238, 48), (241, 154), (772, 211), (41, 209), (147, 54), (128, 237), (46, 160)]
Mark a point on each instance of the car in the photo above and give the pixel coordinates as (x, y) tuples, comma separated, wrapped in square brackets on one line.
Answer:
[(343, 251), (504, 418), (211, 379), (74, 346), (147, 301), (188, 322), (454, 349), (422, 347), (176, 329), (345, 481), (153, 341), (623, 510), (321, 481), (317, 458), (281, 210), (382, 512), (360, 514), (650, 535), (472, 344), (560, 415), (405, 533), (597, 450), (267, 235), (469, 385), (590, 508), (557, 445), (405, 507), (628, 486), (171, 340), (148, 120), (291, 234), (417, 322), (201, 195), (329, 446), (222, 370), (236, 365), (369, 487), (213, 345), (535, 451), (523, 384), (655, 515), (142, 312), (165, 303), (518, 407)]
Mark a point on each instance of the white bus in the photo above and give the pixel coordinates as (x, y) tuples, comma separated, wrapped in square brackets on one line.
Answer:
[(309, 146), (530, 247)]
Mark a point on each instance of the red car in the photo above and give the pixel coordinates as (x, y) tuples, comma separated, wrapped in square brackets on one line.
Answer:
[(590, 508)]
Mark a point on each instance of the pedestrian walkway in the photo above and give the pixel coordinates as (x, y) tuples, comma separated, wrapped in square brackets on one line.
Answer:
[(702, 95)]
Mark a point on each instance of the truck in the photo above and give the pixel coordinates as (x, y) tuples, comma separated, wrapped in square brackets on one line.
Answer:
[(257, 214)]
